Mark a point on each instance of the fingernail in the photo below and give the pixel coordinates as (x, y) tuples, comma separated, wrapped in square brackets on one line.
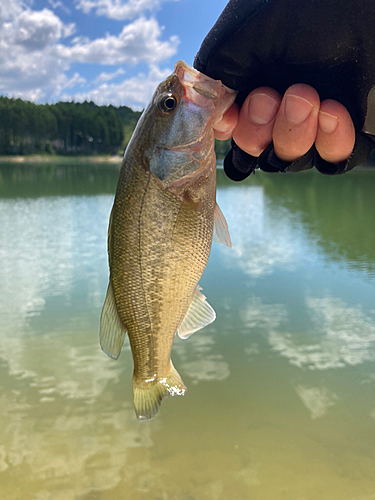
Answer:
[(327, 122), (262, 109), (297, 109), (222, 127)]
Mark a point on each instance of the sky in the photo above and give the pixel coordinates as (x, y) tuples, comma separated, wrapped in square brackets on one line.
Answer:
[(107, 51)]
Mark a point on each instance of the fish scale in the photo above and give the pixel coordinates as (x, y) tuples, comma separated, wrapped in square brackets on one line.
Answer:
[(172, 275)]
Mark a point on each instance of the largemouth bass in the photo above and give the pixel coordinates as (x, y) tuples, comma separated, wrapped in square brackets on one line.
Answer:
[(161, 227)]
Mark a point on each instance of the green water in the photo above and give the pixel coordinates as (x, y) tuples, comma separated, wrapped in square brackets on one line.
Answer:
[(281, 387)]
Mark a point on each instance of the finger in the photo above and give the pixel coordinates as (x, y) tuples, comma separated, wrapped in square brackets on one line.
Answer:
[(296, 123), (224, 128), (253, 132), (336, 134)]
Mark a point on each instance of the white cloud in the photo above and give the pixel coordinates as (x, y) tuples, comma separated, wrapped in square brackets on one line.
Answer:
[(276, 240), (76, 79), (117, 9), (97, 445), (34, 30), (9, 10), (346, 327), (344, 335), (138, 41), (106, 77), (207, 369), (57, 4), (198, 360), (28, 67), (316, 399), (264, 316), (35, 280), (134, 92), (35, 59)]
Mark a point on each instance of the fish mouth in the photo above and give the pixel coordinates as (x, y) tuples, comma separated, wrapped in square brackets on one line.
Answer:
[(199, 88), (191, 78)]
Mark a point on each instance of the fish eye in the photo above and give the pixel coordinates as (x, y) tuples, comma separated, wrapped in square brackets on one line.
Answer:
[(168, 103)]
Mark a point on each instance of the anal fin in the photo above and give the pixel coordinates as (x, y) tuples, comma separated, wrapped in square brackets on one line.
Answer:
[(112, 330), (199, 315)]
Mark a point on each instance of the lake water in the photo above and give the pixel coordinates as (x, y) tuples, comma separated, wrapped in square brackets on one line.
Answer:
[(281, 387)]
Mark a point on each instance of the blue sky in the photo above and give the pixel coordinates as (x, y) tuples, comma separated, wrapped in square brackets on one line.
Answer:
[(108, 51)]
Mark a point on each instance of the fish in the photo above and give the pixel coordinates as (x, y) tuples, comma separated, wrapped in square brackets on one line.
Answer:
[(162, 224)]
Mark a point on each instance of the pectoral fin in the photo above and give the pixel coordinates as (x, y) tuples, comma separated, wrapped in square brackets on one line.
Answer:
[(199, 315), (112, 330), (221, 233)]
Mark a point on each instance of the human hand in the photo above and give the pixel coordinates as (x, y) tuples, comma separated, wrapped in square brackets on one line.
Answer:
[(259, 45), (293, 123)]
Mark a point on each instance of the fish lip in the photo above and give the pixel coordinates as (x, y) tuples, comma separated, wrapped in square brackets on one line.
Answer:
[(190, 77)]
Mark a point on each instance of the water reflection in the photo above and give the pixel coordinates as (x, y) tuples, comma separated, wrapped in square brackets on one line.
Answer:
[(262, 239), (199, 360), (284, 376), (71, 454), (344, 335), (337, 212), (317, 400), (49, 179)]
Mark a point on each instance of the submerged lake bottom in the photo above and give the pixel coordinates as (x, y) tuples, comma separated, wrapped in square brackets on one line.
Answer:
[(281, 387)]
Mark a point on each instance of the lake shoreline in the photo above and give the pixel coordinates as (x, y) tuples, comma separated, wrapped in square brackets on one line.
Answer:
[(111, 159), (60, 159)]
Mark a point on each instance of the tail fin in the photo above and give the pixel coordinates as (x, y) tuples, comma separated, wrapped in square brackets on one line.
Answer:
[(149, 395)]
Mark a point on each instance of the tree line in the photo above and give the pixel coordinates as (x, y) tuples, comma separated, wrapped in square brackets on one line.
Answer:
[(65, 128), (68, 128)]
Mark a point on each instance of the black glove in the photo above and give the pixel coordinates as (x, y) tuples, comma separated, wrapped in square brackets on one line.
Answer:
[(328, 44)]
